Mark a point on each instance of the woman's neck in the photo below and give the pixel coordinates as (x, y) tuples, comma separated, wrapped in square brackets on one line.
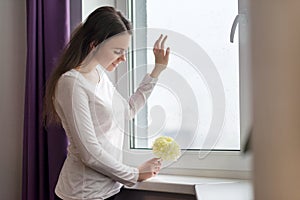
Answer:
[(87, 66), (89, 71)]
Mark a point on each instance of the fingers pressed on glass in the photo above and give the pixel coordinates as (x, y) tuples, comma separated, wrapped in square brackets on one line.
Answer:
[(157, 43), (163, 42)]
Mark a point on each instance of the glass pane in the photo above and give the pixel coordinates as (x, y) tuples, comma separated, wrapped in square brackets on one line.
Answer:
[(207, 24)]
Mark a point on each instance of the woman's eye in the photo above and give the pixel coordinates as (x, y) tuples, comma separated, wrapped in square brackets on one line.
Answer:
[(118, 52)]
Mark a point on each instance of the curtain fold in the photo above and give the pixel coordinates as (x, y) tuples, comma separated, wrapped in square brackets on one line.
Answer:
[(44, 151)]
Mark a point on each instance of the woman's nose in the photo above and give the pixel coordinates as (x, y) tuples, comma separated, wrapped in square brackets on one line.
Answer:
[(122, 57)]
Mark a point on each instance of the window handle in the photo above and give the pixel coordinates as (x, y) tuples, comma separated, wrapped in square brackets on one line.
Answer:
[(233, 28)]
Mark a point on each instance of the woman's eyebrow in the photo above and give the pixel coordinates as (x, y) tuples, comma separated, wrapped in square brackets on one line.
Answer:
[(119, 48)]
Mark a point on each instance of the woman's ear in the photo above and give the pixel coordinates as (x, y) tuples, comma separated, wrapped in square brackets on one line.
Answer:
[(92, 45)]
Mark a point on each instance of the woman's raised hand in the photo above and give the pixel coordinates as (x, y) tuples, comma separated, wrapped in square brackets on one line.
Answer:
[(161, 56)]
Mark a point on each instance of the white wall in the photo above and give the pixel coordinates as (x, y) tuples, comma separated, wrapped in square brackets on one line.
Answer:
[(12, 87)]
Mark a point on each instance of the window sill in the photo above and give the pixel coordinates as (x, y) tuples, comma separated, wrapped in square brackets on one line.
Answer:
[(201, 187)]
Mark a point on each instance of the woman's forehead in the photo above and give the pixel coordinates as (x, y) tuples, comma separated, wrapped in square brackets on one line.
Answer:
[(120, 40)]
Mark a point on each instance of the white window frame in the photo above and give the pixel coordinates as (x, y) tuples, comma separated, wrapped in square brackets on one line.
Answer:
[(231, 164)]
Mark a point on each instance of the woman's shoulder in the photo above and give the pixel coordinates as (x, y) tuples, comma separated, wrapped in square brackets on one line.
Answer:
[(69, 79), (70, 74)]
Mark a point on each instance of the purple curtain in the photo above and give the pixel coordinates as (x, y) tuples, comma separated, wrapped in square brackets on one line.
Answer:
[(48, 30)]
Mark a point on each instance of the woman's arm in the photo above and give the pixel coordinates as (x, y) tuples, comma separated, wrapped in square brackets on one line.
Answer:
[(139, 98)]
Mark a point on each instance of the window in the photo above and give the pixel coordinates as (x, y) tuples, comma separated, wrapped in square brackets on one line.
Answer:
[(202, 99), (197, 98)]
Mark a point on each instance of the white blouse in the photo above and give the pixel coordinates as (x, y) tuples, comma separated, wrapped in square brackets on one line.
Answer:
[(93, 117)]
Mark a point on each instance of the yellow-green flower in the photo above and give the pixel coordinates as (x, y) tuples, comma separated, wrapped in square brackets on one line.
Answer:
[(166, 148)]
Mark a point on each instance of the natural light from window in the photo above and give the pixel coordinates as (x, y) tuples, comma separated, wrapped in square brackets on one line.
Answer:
[(207, 23)]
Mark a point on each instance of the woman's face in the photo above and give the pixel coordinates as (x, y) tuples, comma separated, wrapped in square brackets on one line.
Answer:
[(113, 51)]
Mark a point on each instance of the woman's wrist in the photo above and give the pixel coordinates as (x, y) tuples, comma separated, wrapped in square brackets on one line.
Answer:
[(155, 73), (157, 70)]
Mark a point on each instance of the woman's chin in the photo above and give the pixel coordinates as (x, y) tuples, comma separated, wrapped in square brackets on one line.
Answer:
[(110, 68)]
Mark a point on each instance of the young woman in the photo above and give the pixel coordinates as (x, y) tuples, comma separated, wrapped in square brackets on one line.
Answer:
[(80, 96)]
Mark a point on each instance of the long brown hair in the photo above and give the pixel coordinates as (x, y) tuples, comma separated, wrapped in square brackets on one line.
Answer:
[(100, 25)]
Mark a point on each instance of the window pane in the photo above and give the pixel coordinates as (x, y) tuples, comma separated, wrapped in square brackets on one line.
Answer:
[(207, 23)]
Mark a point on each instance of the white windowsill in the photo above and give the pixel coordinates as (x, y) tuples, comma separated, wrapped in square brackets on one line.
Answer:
[(201, 187)]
